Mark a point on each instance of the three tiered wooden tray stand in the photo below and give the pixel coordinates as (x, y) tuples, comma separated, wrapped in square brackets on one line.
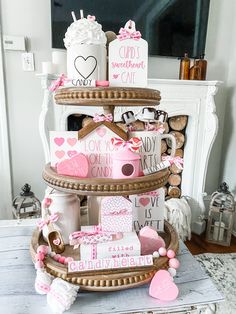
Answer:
[(115, 279)]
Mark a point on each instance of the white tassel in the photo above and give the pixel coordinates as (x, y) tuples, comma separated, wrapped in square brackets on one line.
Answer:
[(62, 295), (43, 281), (178, 213)]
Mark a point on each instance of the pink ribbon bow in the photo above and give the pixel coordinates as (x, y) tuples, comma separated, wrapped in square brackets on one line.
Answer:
[(133, 144), (125, 34), (57, 83), (178, 161), (80, 234), (52, 218), (100, 118)]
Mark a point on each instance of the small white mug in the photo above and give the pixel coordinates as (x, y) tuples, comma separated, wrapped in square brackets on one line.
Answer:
[(150, 151)]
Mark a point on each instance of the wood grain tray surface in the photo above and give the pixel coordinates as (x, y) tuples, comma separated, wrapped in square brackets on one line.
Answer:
[(105, 186), (110, 279), (112, 96)]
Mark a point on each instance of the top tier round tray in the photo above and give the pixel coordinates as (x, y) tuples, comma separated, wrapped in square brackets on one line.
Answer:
[(108, 97)]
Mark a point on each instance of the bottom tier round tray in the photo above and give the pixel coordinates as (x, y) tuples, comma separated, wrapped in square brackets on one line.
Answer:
[(106, 280)]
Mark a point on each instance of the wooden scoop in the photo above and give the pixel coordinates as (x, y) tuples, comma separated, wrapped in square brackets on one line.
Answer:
[(55, 240)]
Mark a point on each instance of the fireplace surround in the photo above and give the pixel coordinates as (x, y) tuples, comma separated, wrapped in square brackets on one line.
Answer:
[(194, 99)]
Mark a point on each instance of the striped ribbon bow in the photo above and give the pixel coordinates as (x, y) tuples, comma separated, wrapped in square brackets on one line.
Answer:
[(52, 218), (125, 34), (100, 118), (133, 144), (178, 161), (59, 82), (80, 234)]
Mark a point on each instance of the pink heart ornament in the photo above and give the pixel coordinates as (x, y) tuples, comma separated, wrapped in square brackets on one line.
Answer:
[(56, 241), (101, 131), (60, 154), (59, 141), (162, 286), (150, 240), (115, 76), (77, 166), (144, 201), (72, 141)]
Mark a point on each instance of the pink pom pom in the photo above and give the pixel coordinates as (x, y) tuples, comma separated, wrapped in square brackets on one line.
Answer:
[(56, 257), (174, 263), (62, 259), (39, 265), (162, 251), (170, 253), (39, 256), (68, 259), (42, 249)]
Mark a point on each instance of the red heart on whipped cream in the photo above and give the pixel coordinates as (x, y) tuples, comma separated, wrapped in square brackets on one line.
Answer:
[(77, 166)]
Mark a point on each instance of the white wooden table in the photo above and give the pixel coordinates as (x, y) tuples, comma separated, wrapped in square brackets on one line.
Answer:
[(17, 275)]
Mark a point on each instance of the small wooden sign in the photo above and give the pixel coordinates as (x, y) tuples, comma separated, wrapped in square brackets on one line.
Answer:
[(94, 142), (148, 210), (128, 58)]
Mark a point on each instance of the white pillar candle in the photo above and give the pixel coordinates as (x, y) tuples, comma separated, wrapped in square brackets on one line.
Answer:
[(218, 225), (59, 61), (47, 67)]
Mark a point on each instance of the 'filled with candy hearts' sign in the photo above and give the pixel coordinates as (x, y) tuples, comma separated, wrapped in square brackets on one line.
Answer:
[(128, 57), (96, 146), (148, 210)]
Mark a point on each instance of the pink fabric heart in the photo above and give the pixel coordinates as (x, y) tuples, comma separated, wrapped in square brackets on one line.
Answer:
[(59, 141), (72, 153), (150, 240), (144, 201), (72, 141), (60, 154), (77, 166), (162, 286), (56, 241), (101, 131)]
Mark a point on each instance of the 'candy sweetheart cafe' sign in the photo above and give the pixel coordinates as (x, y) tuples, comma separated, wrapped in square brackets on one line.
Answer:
[(128, 56)]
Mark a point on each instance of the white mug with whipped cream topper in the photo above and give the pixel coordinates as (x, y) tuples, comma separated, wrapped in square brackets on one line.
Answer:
[(86, 51)]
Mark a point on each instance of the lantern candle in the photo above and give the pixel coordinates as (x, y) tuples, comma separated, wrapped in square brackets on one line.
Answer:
[(218, 233)]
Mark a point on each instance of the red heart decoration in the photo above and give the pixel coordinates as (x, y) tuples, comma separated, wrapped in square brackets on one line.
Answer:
[(72, 153), (162, 286), (72, 141), (60, 153), (150, 240), (144, 201), (59, 141), (77, 166)]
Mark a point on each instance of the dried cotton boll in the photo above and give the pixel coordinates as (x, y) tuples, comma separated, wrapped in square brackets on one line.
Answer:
[(86, 121)]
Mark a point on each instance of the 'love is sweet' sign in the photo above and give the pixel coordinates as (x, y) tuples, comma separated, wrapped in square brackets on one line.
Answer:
[(148, 210), (128, 57)]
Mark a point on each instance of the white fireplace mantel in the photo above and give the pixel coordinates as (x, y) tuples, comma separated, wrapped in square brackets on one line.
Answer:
[(178, 97)]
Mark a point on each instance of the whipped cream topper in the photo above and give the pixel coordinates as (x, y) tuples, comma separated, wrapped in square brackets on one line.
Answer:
[(85, 31)]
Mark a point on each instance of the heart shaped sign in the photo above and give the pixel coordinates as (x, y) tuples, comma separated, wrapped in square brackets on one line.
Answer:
[(150, 240), (57, 241), (77, 166), (162, 286), (85, 66)]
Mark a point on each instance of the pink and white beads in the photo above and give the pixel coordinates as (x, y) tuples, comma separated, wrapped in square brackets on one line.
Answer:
[(173, 262)]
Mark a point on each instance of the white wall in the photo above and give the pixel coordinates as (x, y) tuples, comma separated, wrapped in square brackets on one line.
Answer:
[(31, 18)]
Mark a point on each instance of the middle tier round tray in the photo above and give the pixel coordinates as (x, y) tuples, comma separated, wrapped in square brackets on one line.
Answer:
[(104, 186)]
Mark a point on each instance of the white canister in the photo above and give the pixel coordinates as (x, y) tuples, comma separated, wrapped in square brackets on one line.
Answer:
[(86, 61), (68, 208), (150, 151), (216, 231)]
